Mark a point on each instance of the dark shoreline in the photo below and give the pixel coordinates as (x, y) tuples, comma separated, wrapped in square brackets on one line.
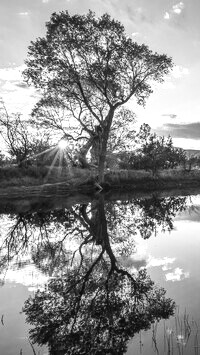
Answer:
[(23, 199), (145, 184)]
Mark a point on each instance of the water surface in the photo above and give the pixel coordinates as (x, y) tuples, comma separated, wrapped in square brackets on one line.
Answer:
[(108, 275)]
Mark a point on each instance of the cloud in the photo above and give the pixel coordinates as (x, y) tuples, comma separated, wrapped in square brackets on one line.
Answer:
[(171, 115), (176, 275), (176, 130), (164, 262), (170, 82), (17, 96), (23, 13), (166, 16), (178, 71), (45, 1), (135, 34), (178, 8), (175, 10), (11, 74), (31, 277)]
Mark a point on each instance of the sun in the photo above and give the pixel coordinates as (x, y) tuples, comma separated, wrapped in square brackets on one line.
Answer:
[(62, 144)]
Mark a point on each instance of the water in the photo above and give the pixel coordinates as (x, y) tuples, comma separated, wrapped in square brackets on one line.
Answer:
[(115, 274)]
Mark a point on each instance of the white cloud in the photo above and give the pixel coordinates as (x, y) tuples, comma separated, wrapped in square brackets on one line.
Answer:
[(30, 277), (166, 16), (135, 34), (23, 13), (178, 8), (16, 95), (175, 10), (177, 275), (11, 74), (178, 71), (45, 1), (164, 262)]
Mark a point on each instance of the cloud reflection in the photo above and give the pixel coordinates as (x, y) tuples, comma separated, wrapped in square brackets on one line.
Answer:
[(177, 275)]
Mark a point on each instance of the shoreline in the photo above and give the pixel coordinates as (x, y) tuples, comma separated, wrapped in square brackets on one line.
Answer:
[(84, 181), (113, 182)]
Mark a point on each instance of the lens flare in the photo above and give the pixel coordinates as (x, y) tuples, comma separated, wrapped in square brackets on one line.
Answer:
[(62, 144)]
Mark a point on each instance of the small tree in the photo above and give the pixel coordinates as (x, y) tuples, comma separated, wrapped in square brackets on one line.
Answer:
[(90, 68), (19, 138), (190, 162), (155, 152)]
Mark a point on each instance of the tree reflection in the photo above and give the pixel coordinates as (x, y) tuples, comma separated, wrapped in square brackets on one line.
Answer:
[(92, 304), (145, 216), (97, 305)]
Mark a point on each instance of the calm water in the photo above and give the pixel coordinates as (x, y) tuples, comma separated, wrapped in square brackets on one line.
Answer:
[(111, 275)]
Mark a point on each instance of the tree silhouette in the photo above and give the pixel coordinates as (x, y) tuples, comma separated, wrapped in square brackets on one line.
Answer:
[(88, 67), (48, 236), (92, 314), (92, 303), (97, 305)]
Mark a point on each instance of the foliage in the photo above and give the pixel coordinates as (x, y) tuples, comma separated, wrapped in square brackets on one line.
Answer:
[(20, 140), (144, 216), (88, 67), (122, 134), (155, 152), (190, 162), (4, 160), (109, 314)]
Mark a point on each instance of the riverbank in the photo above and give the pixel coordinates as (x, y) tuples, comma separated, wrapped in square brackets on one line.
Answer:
[(15, 182)]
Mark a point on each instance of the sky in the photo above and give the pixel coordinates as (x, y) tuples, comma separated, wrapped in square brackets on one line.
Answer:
[(166, 26)]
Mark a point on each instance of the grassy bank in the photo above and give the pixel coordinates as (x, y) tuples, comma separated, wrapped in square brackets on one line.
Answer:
[(144, 180), (12, 177)]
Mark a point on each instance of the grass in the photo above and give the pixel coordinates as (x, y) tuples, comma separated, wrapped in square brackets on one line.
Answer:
[(180, 336), (34, 176)]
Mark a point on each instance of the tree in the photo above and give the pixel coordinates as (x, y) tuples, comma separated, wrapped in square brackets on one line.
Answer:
[(155, 152), (104, 320), (96, 305), (90, 68), (20, 141)]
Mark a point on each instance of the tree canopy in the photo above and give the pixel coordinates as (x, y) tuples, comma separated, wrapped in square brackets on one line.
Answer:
[(89, 67), (155, 152)]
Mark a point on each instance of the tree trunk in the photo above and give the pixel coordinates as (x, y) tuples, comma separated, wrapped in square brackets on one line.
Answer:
[(98, 145), (103, 145), (93, 144), (83, 152), (101, 167)]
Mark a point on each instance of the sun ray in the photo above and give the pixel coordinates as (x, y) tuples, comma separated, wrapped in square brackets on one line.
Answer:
[(68, 163), (52, 149), (60, 167), (53, 163)]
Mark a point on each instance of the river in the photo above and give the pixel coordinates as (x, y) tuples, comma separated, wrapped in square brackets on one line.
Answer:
[(108, 274)]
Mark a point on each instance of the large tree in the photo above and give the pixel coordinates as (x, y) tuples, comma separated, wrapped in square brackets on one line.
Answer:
[(90, 67)]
